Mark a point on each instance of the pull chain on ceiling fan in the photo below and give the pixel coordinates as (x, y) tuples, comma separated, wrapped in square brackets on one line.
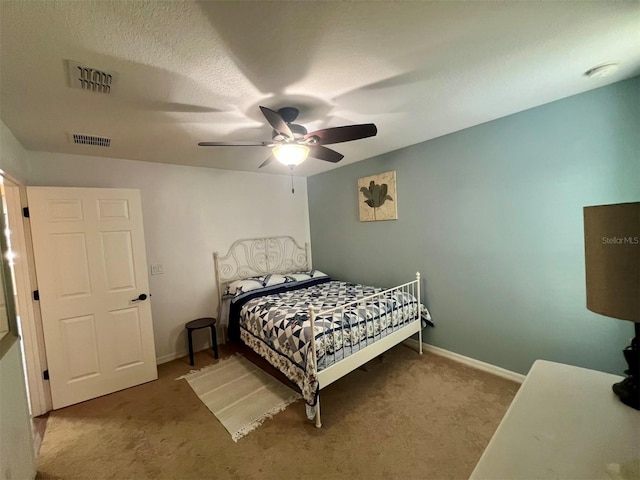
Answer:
[(291, 144)]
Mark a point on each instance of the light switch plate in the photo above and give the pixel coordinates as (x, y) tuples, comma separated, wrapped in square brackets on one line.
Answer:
[(157, 269)]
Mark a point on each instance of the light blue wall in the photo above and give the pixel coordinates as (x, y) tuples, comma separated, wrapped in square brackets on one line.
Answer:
[(492, 218)]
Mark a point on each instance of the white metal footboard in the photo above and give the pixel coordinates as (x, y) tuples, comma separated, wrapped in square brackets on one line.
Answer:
[(359, 346)]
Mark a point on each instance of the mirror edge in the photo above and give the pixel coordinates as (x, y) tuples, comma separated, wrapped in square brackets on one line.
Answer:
[(13, 335)]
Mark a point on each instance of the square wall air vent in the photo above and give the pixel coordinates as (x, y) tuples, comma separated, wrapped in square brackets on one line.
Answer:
[(82, 139), (89, 78)]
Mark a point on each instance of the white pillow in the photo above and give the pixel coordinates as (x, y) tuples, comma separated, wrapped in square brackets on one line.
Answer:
[(304, 275), (245, 285)]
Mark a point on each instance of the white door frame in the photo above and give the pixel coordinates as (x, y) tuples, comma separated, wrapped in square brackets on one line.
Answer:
[(28, 309)]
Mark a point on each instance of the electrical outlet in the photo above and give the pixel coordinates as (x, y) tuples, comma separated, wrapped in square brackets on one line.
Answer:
[(157, 269)]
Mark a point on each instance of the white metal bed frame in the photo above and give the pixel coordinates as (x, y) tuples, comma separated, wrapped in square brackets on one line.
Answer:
[(250, 257)]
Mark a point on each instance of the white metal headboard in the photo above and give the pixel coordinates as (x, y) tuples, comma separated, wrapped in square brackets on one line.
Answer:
[(250, 257)]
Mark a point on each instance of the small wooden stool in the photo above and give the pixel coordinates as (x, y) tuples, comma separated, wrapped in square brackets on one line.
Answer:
[(202, 323)]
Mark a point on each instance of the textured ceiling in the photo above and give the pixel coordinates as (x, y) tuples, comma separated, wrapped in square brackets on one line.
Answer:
[(197, 71)]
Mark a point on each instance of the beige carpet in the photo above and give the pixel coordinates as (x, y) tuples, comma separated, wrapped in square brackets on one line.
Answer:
[(240, 395), (405, 417)]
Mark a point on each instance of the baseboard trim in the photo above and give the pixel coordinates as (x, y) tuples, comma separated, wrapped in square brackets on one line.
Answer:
[(182, 353), (472, 362), (170, 356)]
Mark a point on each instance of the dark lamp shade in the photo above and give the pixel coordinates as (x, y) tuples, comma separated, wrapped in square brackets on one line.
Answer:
[(612, 260)]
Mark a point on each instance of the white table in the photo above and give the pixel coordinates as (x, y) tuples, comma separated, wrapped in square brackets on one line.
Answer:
[(564, 423)]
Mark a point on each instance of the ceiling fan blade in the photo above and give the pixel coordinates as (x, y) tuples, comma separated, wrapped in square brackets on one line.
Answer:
[(267, 161), (324, 153), (232, 144), (343, 134), (276, 121)]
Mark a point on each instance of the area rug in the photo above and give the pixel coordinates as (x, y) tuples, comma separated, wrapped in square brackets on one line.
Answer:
[(239, 394)]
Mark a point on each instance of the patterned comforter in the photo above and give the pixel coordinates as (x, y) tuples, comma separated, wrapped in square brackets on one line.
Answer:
[(276, 326)]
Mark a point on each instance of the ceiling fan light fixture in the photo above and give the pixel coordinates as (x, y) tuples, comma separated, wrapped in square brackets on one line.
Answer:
[(291, 144), (291, 154)]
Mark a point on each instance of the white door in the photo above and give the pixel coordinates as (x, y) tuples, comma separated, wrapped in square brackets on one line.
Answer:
[(91, 269)]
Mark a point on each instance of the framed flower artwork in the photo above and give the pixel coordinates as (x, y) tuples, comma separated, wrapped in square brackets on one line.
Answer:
[(377, 197)]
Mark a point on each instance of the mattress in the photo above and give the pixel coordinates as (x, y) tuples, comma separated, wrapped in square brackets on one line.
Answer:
[(275, 325)]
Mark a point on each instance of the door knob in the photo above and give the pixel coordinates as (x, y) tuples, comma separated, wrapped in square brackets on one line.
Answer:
[(141, 298)]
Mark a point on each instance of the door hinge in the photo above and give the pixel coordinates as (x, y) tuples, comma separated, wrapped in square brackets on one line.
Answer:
[(45, 374), (36, 294), (25, 212)]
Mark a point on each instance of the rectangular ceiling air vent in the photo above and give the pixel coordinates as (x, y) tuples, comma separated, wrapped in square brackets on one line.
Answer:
[(90, 79), (82, 139)]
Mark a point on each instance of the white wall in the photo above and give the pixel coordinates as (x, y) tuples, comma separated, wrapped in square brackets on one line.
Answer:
[(189, 212), (17, 459), (14, 159)]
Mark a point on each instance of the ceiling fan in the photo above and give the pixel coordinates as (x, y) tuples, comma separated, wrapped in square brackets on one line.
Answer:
[(291, 144)]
